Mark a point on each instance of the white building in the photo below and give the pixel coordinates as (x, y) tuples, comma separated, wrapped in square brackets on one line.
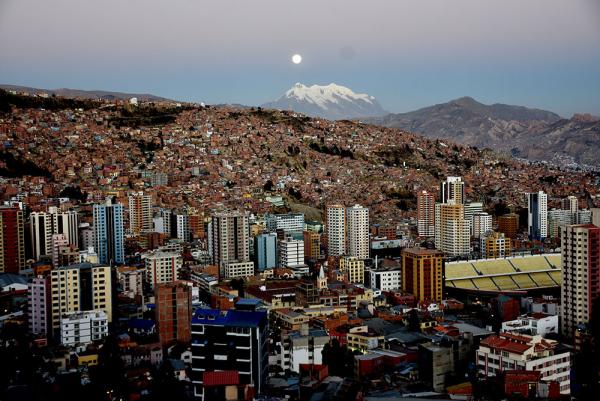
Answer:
[(481, 223), (80, 328), (235, 269), (336, 230), (426, 214), (507, 351), (384, 279), (289, 223), (538, 324), (162, 267), (302, 348), (452, 189), (291, 252), (358, 231), (131, 280)]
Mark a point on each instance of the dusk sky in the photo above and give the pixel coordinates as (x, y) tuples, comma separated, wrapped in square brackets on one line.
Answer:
[(408, 54)]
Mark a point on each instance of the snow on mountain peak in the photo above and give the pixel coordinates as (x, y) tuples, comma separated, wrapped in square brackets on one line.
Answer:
[(330, 101), (322, 95)]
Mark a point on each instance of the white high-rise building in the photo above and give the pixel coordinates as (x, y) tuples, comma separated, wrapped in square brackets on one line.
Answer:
[(481, 224), (43, 224), (291, 252), (336, 230), (537, 215), (358, 231)]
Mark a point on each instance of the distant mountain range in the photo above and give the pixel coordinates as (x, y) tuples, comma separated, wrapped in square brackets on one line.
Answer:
[(332, 101), (520, 131), (84, 94)]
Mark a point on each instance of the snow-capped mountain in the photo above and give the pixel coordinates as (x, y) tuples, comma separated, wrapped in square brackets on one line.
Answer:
[(331, 101)]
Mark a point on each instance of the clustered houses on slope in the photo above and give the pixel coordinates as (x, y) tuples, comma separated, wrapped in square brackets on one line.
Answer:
[(224, 156)]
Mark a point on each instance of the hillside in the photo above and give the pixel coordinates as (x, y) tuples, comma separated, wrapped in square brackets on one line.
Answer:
[(84, 94), (531, 133), (214, 157)]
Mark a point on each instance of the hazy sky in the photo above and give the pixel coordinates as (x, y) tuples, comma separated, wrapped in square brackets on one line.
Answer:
[(408, 54)]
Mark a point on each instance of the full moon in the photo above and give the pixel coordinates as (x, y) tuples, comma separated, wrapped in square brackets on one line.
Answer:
[(296, 59)]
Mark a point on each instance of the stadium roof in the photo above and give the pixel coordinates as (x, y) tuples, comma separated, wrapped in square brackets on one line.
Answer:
[(520, 273)]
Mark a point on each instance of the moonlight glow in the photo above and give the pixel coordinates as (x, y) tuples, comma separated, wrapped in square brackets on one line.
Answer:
[(296, 59)]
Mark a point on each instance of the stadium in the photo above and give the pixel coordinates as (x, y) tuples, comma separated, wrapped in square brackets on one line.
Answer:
[(519, 275)]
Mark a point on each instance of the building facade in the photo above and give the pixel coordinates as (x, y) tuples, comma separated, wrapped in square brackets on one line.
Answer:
[(425, 214), (162, 267), (79, 288), (357, 218), (537, 215), (12, 240), (173, 312), (108, 233), (230, 340), (422, 273), (580, 257), (336, 230)]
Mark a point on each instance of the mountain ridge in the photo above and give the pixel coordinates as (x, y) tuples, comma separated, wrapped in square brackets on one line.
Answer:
[(530, 133), (84, 93), (332, 101)]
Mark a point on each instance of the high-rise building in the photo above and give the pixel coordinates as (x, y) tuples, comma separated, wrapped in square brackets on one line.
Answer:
[(312, 245), (173, 312), (537, 215), (509, 225), (229, 238), (291, 223), (336, 230), (452, 230), (291, 252), (426, 214), (265, 251), (495, 245), (180, 227), (58, 241), (580, 256), (162, 267), (452, 189), (229, 341), (357, 218), (571, 203), (422, 271), (108, 233), (140, 213), (38, 305), (79, 288), (353, 268), (12, 240), (481, 223), (43, 225), (234, 269), (558, 218)]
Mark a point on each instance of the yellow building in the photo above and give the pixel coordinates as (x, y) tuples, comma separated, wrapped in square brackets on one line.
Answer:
[(360, 339), (353, 268), (496, 245), (422, 273), (312, 245), (79, 288)]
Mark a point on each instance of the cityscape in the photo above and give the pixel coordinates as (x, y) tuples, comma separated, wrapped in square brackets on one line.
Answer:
[(315, 247)]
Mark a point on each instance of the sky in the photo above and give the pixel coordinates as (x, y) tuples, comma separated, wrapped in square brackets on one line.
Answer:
[(406, 53)]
